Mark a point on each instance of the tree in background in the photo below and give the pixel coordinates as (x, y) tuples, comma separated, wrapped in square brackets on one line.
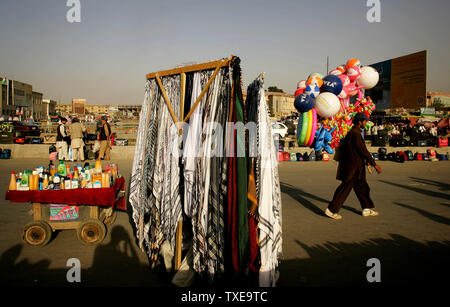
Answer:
[(274, 89)]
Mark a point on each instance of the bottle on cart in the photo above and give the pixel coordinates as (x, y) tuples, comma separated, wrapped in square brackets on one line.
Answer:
[(75, 183), (56, 183), (24, 179), (67, 183), (45, 183), (61, 168), (98, 166), (13, 182)]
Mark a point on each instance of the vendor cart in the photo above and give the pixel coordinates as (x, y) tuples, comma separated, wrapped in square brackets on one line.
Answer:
[(88, 211)]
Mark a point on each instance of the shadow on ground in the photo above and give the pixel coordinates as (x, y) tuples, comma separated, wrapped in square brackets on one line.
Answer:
[(403, 262), (423, 191), (115, 264)]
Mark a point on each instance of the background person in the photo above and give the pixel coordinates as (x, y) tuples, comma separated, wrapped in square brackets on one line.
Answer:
[(104, 137), (62, 140), (76, 139), (351, 171)]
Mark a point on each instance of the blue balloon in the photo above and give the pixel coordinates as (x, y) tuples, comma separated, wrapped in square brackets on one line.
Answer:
[(332, 84), (304, 103)]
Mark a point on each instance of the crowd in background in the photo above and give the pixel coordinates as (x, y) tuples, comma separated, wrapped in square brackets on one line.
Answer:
[(411, 132)]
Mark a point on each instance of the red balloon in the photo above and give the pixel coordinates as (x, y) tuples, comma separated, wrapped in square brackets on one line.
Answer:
[(299, 91)]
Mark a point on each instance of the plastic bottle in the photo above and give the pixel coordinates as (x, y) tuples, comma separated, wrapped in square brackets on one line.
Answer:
[(13, 182), (24, 180), (31, 182), (104, 180), (75, 182), (56, 182), (45, 183), (68, 183), (98, 166), (62, 168)]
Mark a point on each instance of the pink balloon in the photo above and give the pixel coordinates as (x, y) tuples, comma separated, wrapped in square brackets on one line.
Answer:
[(354, 73), (345, 79), (352, 89), (335, 72)]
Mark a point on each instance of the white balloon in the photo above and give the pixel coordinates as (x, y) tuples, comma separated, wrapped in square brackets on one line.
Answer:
[(327, 104), (301, 84), (369, 77)]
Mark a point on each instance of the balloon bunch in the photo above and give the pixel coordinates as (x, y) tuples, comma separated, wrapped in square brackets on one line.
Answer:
[(330, 96), (324, 137)]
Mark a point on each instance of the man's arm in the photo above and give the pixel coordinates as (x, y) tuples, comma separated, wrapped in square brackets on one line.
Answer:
[(362, 149)]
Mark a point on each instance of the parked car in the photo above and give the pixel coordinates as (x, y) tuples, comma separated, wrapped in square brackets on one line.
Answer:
[(279, 129), (18, 132)]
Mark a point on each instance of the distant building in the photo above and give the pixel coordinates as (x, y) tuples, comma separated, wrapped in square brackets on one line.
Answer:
[(402, 82), (438, 99), (16, 98), (281, 104), (39, 109), (63, 108), (79, 106), (97, 109), (129, 110), (50, 107)]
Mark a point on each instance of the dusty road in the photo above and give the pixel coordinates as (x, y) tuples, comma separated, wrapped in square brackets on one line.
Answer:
[(410, 237)]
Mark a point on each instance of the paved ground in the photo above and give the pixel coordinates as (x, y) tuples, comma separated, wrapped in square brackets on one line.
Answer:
[(410, 237)]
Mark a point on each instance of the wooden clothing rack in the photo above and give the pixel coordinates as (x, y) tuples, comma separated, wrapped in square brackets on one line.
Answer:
[(217, 65)]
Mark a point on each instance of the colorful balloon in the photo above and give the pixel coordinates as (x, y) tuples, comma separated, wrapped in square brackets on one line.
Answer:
[(345, 79), (301, 84), (299, 91), (332, 84), (353, 73), (369, 77), (327, 104), (316, 74), (342, 68), (312, 90), (303, 103), (314, 80), (353, 63), (335, 72)]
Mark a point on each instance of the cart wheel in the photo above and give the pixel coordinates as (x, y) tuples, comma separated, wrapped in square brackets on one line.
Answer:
[(91, 232), (37, 233)]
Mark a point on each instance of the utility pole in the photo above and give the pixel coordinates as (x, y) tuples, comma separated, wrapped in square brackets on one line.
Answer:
[(326, 73)]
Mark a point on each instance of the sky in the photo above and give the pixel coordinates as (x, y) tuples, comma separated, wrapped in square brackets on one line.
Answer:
[(105, 57)]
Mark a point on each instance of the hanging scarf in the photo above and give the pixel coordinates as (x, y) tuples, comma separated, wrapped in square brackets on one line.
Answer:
[(241, 168), (269, 198)]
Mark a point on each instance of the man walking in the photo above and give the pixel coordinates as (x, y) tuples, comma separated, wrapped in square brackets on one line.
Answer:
[(105, 134), (351, 171), (76, 136), (62, 140)]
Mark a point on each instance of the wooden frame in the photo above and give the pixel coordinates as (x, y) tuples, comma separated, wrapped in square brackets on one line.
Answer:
[(62, 225), (217, 65)]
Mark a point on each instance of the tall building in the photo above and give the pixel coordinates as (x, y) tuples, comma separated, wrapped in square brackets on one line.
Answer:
[(16, 98), (39, 109), (79, 106), (403, 82)]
